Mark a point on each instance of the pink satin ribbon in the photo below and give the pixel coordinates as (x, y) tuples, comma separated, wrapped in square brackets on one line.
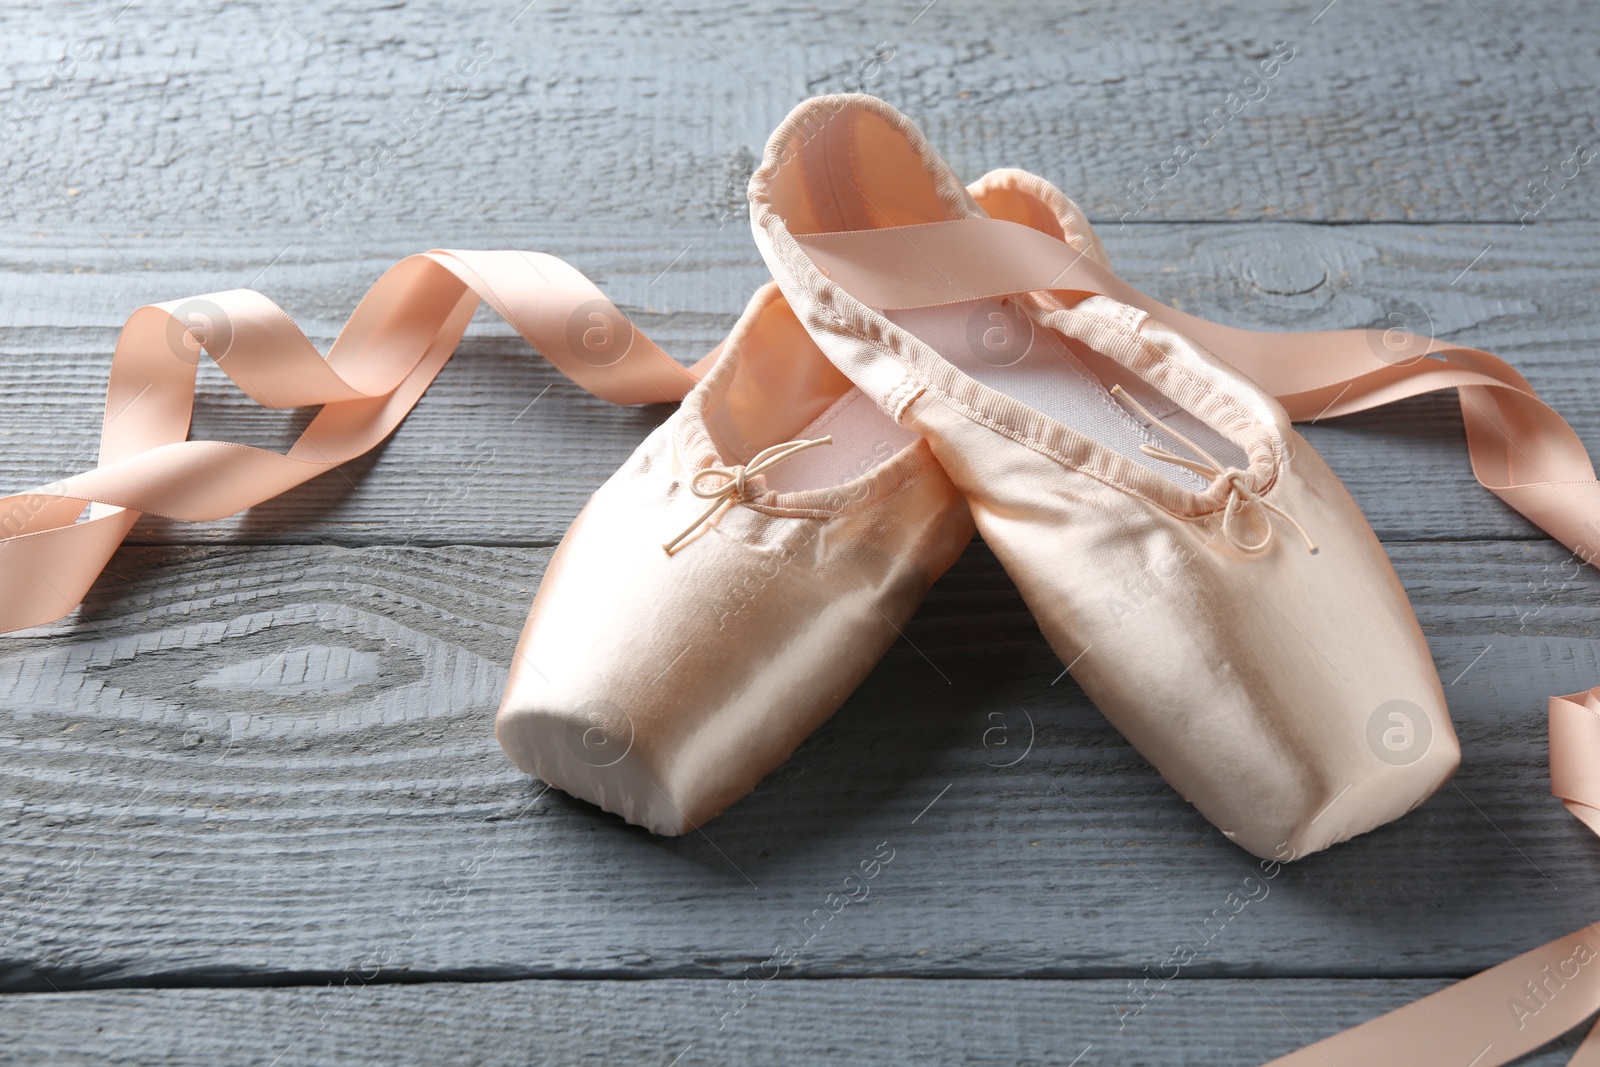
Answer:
[(396, 341), (1521, 449), (1575, 754)]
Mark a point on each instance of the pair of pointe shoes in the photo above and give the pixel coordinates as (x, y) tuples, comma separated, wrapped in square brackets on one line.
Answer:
[(1209, 581)]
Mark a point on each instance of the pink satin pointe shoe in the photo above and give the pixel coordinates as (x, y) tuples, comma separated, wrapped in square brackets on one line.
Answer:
[(725, 591), (1191, 559)]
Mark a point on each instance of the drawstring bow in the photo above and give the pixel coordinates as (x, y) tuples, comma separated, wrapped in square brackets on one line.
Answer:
[(1240, 495), (732, 481)]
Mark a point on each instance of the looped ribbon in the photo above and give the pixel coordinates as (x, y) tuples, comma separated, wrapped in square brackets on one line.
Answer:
[(1240, 495), (1575, 754), (397, 340), (733, 480)]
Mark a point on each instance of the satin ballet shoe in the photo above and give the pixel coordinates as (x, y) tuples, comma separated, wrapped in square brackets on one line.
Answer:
[(1199, 569), (723, 593)]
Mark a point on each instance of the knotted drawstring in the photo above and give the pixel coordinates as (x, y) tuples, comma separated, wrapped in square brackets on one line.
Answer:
[(734, 480), (1239, 492)]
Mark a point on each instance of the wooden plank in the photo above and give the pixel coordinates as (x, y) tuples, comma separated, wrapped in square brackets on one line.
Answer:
[(476, 463), (270, 764), (892, 1021), (611, 115)]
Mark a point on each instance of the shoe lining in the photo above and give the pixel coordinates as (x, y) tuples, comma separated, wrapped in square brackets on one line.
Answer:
[(863, 438), (996, 343), (993, 341)]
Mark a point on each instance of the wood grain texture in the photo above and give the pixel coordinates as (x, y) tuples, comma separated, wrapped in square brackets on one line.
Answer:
[(527, 1024), (192, 119), (276, 764), (476, 463), (261, 755)]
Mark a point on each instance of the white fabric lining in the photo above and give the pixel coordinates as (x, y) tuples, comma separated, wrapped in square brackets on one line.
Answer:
[(863, 438), (996, 343)]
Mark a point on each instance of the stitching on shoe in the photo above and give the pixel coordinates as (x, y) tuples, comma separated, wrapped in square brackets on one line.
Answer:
[(1091, 469), (901, 396), (1193, 380), (862, 334), (917, 468)]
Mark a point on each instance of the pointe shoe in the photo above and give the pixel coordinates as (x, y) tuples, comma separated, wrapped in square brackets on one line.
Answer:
[(723, 593), (1192, 560)]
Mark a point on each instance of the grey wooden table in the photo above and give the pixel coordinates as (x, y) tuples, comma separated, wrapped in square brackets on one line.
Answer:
[(251, 807)]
